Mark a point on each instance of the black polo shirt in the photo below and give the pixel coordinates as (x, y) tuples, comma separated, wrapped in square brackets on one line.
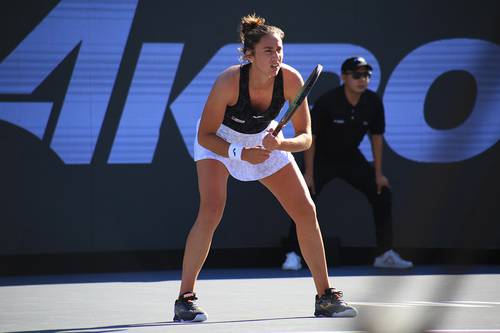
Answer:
[(340, 127)]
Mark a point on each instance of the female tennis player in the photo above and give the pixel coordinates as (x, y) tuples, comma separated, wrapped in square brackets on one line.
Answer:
[(235, 138)]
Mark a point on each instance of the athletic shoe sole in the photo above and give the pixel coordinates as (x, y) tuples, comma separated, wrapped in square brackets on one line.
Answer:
[(199, 318), (349, 313)]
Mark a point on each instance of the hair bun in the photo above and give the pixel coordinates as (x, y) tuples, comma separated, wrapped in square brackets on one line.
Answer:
[(250, 22)]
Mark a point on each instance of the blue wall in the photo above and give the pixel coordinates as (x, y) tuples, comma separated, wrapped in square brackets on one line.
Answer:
[(99, 101)]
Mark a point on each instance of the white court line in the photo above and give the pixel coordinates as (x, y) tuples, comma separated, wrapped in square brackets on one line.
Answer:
[(469, 330), (409, 304), (476, 302), (451, 304), (390, 305)]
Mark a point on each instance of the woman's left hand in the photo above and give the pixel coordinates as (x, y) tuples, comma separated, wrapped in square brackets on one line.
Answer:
[(271, 142)]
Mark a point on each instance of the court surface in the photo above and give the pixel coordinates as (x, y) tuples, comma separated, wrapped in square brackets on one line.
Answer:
[(423, 299)]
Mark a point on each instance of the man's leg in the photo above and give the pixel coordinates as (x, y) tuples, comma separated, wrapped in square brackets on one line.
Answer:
[(361, 175)]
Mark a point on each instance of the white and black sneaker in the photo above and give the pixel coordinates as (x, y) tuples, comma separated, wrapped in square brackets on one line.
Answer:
[(331, 304), (293, 262), (186, 310), (391, 259)]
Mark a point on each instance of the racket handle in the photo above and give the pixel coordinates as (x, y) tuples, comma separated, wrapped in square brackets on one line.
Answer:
[(277, 129)]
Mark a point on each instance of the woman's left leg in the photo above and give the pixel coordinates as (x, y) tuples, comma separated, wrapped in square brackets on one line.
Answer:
[(289, 187)]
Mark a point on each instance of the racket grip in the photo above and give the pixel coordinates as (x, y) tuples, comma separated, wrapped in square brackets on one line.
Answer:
[(277, 130)]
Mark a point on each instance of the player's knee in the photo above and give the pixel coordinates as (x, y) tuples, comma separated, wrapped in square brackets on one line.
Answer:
[(211, 211), (305, 214)]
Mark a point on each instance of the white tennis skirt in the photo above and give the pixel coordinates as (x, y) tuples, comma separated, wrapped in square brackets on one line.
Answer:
[(242, 170)]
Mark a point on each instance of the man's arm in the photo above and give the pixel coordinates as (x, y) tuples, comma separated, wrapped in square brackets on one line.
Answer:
[(309, 165), (377, 143)]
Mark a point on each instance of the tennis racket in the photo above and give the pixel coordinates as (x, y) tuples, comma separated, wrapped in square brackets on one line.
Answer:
[(304, 91)]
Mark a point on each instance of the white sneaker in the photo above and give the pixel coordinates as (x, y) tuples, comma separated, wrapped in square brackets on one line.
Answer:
[(292, 262), (390, 259)]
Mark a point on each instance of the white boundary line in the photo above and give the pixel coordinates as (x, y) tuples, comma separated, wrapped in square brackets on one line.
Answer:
[(408, 304), (469, 330)]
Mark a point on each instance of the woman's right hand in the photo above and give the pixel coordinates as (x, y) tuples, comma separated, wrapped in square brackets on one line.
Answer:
[(255, 155)]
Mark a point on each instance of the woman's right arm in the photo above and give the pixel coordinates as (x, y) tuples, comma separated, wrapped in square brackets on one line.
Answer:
[(221, 95)]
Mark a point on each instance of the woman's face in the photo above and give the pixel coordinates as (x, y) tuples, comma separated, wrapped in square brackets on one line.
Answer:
[(267, 56)]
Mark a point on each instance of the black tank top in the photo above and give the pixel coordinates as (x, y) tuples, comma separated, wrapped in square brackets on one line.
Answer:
[(242, 118)]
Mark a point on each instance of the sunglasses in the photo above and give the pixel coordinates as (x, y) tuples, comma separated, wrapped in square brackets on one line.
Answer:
[(359, 75)]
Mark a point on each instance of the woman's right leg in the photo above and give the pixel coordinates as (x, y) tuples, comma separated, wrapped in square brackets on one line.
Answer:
[(212, 184)]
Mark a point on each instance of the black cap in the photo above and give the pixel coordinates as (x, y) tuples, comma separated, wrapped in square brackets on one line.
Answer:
[(352, 64)]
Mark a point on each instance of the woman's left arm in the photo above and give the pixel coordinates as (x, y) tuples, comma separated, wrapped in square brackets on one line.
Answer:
[(301, 119)]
